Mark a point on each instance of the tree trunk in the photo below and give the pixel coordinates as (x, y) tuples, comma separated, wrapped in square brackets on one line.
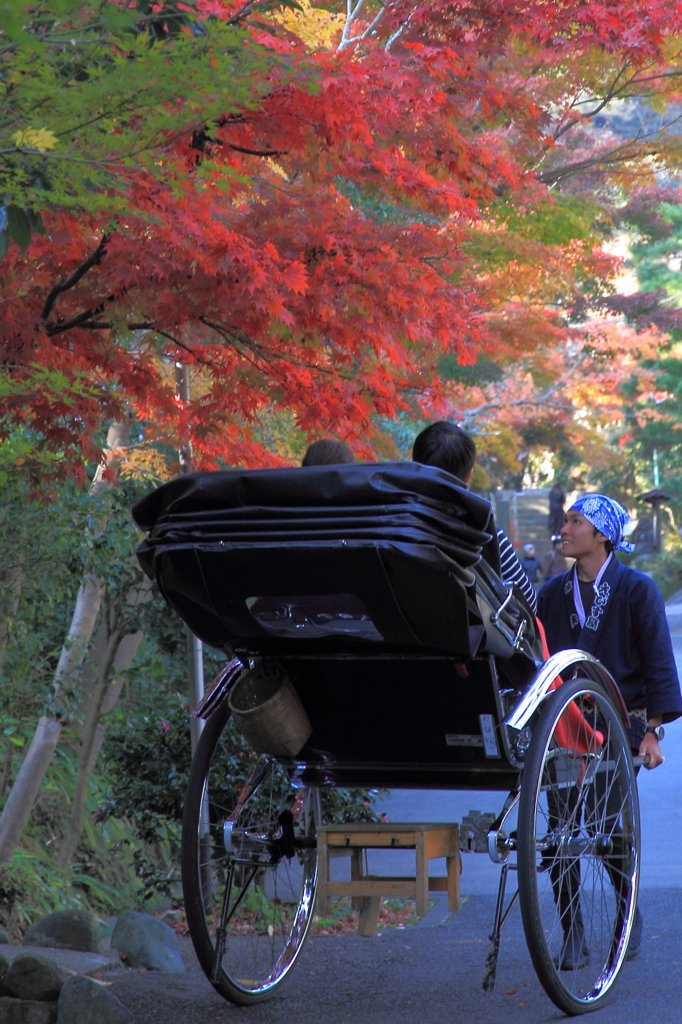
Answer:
[(25, 789), (19, 805), (125, 613), (112, 655), (78, 640), (94, 735), (68, 847)]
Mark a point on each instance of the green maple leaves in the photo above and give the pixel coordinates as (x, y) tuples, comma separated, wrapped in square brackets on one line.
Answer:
[(91, 95), (16, 225)]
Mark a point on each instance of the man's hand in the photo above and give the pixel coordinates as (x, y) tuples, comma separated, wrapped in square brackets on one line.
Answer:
[(650, 750)]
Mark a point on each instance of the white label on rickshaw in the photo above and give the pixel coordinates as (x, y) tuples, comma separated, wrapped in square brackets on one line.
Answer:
[(462, 739), (489, 737)]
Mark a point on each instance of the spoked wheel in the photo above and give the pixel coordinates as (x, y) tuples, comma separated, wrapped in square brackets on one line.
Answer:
[(578, 846), (249, 864)]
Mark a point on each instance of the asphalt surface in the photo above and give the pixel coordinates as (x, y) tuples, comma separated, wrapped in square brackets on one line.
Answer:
[(430, 975), (433, 974)]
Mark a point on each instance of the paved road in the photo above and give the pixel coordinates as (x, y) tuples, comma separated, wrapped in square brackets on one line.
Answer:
[(433, 974), (424, 976), (660, 800)]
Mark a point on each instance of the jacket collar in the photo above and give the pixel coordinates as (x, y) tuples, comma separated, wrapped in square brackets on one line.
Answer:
[(588, 638)]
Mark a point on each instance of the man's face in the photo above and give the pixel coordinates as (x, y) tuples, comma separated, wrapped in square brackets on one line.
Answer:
[(579, 537)]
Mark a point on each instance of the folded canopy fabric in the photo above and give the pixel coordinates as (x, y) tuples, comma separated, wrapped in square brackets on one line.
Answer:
[(323, 557)]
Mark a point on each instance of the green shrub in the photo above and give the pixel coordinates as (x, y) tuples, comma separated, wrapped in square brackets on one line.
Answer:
[(666, 570), (147, 761)]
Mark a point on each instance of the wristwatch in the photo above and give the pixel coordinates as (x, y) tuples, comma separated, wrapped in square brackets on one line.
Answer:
[(657, 730)]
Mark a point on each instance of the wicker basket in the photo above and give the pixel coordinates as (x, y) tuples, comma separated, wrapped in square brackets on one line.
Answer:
[(268, 712)]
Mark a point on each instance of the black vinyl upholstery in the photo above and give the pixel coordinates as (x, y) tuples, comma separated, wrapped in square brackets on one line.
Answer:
[(323, 558)]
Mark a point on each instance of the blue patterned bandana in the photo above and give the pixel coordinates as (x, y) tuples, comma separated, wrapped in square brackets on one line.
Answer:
[(607, 515)]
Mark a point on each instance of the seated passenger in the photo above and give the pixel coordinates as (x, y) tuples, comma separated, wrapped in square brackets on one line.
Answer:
[(327, 452), (448, 447)]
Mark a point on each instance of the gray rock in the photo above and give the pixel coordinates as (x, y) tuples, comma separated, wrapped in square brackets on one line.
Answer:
[(26, 1011), (33, 977), (71, 961), (4, 967), (143, 941), (84, 1001), (66, 929), (5, 940), (172, 917)]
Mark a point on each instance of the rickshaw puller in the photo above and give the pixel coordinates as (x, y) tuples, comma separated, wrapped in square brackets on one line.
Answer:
[(616, 614)]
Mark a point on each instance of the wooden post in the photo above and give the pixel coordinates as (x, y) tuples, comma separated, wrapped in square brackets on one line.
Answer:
[(422, 875), (322, 875)]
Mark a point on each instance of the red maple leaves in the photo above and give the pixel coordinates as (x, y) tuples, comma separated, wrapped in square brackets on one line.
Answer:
[(309, 253)]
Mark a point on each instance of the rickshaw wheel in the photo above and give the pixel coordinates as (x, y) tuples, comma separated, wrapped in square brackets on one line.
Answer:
[(249, 864), (578, 846)]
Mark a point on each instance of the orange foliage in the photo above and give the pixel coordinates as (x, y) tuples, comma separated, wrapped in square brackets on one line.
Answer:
[(322, 252)]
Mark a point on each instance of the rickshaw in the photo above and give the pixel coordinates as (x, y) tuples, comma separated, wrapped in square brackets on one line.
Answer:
[(370, 642)]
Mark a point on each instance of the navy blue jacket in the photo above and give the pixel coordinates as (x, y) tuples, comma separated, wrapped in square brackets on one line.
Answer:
[(626, 629)]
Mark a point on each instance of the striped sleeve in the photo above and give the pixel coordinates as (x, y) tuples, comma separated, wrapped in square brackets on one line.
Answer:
[(512, 572)]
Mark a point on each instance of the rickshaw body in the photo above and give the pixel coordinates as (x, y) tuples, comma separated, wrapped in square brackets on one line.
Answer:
[(375, 591)]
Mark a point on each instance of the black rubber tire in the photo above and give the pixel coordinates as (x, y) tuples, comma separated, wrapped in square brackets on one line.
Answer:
[(578, 838), (275, 901)]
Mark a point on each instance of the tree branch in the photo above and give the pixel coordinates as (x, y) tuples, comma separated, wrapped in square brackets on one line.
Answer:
[(82, 320), (257, 152), (66, 283), (611, 93), (103, 325), (615, 156), (66, 325), (543, 399), (351, 16), (77, 321), (247, 10), (398, 32), (186, 348)]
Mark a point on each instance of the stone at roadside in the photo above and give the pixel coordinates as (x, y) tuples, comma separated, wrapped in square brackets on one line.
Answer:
[(143, 941), (4, 967), (84, 1001), (172, 917), (66, 929), (71, 961), (5, 940), (33, 977), (26, 1011)]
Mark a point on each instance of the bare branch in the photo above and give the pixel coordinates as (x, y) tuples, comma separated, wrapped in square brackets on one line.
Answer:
[(66, 283), (246, 11), (186, 348), (611, 93), (52, 330), (618, 155), (541, 400), (351, 16), (258, 152), (398, 32), (83, 320), (104, 325)]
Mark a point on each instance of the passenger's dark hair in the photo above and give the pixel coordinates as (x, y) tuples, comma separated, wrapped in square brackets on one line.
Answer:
[(446, 446), (327, 453)]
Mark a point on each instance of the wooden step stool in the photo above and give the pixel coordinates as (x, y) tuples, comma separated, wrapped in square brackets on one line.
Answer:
[(349, 840)]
